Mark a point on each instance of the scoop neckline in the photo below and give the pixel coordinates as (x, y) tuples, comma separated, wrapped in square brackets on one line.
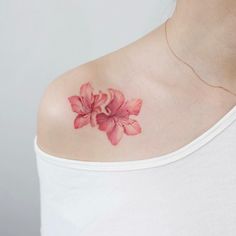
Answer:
[(150, 162)]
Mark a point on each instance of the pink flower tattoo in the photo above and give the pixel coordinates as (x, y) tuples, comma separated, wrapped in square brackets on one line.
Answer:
[(110, 113), (117, 122), (87, 105)]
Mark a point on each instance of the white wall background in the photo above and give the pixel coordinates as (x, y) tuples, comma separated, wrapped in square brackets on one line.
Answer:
[(39, 40)]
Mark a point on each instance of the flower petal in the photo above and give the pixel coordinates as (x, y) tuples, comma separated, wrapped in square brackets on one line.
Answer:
[(117, 100), (133, 106), (100, 99), (132, 127), (105, 123), (81, 120), (87, 106), (86, 91), (76, 104), (115, 134)]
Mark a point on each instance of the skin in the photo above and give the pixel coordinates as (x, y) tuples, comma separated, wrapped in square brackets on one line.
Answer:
[(177, 106), (109, 111)]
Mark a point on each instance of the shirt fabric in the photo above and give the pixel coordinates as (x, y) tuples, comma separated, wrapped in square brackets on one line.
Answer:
[(188, 192)]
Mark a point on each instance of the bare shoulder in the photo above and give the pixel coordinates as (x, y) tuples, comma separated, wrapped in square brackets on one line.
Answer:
[(123, 106), (96, 111), (83, 114)]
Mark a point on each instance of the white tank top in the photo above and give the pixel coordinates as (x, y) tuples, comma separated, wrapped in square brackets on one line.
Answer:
[(189, 192)]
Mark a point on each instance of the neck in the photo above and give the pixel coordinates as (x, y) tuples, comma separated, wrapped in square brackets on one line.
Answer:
[(203, 35)]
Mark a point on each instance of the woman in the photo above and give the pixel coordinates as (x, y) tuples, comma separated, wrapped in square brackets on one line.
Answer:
[(141, 141)]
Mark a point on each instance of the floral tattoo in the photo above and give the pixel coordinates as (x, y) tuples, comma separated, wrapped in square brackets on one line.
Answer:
[(110, 112)]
